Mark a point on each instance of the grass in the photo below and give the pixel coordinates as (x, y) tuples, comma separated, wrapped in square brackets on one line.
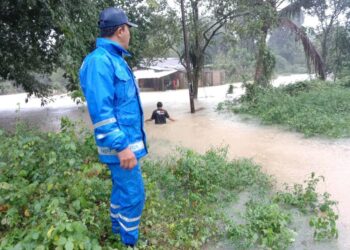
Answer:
[(313, 108)]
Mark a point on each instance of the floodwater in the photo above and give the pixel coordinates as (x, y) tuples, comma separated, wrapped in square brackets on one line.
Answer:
[(286, 155)]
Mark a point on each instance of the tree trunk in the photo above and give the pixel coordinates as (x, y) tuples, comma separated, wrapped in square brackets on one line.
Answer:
[(187, 57), (197, 56), (196, 76), (260, 68), (324, 52)]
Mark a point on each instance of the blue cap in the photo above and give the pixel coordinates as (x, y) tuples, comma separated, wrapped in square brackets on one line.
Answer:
[(112, 17)]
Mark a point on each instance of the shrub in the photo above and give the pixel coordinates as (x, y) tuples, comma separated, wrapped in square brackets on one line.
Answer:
[(313, 108)]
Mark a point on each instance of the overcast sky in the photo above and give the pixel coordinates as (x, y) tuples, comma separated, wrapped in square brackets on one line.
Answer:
[(310, 21)]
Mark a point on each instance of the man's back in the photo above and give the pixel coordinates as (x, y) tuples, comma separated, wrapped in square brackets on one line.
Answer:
[(159, 116)]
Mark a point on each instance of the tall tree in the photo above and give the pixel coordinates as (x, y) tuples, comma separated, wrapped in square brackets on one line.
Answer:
[(289, 54), (264, 16), (187, 55), (29, 42), (328, 13), (204, 25), (339, 51), (38, 36)]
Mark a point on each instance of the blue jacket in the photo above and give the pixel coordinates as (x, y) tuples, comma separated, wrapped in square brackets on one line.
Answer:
[(113, 101)]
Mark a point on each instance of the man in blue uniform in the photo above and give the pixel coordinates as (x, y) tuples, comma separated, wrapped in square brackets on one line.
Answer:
[(115, 110)]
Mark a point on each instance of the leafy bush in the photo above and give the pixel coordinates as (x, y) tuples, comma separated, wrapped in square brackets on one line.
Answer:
[(345, 82), (313, 108), (51, 188), (55, 195), (266, 226), (195, 186), (299, 87), (307, 200), (324, 222), (268, 221), (204, 176)]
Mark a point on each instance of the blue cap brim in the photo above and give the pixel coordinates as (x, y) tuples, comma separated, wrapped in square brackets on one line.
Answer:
[(132, 24)]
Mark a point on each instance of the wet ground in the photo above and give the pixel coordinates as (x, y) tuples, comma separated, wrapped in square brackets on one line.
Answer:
[(286, 155)]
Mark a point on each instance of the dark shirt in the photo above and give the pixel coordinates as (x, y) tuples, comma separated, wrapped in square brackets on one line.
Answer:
[(159, 116)]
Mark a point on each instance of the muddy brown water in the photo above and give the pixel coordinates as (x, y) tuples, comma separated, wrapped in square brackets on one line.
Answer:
[(286, 155)]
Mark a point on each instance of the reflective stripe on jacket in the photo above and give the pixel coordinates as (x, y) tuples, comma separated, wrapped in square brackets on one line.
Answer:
[(113, 101)]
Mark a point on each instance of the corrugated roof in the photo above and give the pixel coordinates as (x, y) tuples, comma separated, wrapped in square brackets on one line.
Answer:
[(164, 64), (149, 74)]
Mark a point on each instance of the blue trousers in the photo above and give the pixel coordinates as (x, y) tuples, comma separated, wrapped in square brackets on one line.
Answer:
[(127, 202)]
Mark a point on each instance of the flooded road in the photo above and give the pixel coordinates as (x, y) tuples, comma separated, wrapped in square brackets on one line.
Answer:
[(288, 156)]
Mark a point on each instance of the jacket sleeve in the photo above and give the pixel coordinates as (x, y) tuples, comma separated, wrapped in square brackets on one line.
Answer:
[(97, 81)]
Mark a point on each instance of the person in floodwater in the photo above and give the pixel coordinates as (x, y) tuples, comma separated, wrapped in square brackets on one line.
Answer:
[(160, 115), (116, 113)]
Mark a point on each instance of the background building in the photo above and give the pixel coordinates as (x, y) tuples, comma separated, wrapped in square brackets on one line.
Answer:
[(169, 73)]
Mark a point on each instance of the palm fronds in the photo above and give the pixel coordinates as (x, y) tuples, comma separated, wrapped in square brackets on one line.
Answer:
[(312, 56), (293, 9)]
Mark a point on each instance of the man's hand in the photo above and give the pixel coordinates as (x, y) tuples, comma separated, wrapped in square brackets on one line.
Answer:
[(127, 159)]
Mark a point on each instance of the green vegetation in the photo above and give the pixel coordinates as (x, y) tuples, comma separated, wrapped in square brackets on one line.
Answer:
[(306, 199), (268, 219), (55, 195), (40, 36), (313, 108), (266, 226), (6, 88), (194, 187)]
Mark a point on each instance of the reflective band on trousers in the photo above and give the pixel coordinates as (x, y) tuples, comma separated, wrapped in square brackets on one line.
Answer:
[(104, 122), (134, 147), (116, 216), (128, 229), (101, 136)]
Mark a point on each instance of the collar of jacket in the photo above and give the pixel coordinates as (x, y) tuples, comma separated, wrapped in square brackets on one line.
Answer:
[(111, 46)]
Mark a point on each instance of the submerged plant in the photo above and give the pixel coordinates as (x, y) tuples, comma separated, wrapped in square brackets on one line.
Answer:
[(320, 207), (266, 226)]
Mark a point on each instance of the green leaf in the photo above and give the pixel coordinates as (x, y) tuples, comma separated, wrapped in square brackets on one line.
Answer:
[(5, 185), (69, 245), (69, 228), (49, 187), (35, 236), (61, 241)]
